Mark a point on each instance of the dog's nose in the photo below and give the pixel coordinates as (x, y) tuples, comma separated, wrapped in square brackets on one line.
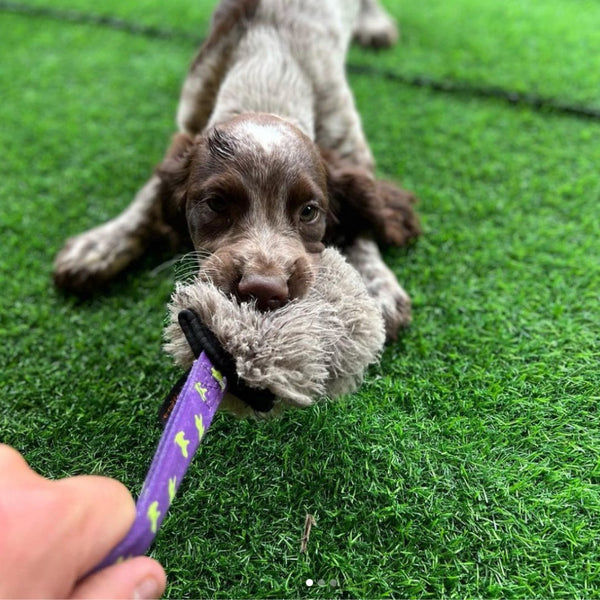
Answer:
[(270, 292)]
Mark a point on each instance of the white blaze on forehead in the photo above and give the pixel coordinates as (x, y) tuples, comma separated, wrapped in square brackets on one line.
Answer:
[(268, 136)]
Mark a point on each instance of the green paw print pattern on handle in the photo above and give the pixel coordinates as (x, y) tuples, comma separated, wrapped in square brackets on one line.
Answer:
[(190, 419)]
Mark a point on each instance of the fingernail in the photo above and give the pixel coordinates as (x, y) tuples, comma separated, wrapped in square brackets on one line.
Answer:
[(147, 590)]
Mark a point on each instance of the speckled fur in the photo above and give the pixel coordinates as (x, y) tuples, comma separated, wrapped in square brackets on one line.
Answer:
[(283, 58)]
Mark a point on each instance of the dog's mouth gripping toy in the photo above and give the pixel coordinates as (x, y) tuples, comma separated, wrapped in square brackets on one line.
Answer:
[(252, 363)]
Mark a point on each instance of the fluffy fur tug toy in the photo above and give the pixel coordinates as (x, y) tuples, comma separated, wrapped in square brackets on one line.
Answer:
[(316, 346)]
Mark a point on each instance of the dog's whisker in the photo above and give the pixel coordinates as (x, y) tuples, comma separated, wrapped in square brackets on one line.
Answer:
[(189, 264), (199, 263)]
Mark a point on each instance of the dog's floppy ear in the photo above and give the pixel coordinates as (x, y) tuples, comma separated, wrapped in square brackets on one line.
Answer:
[(174, 173), (360, 204)]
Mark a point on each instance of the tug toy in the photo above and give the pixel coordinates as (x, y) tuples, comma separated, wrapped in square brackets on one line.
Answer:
[(252, 363)]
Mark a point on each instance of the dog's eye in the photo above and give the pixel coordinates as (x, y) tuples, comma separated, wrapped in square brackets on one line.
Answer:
[(217, 204), (309, 213)]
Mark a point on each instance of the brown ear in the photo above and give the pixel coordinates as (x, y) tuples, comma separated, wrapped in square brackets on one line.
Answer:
[(362, 205), (173, 173), (399, 221)]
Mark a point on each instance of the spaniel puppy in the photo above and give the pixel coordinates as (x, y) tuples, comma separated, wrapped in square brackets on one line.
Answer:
[(270, 164)]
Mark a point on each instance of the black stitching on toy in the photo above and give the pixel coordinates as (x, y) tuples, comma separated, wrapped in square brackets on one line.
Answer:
[(201, 338)]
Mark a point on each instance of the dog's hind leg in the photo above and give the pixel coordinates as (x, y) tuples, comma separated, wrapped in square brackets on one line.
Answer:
[(201, 86), (375, 28), (211, 64)]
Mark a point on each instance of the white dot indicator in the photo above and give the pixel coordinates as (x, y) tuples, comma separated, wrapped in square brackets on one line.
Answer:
[(309, 582)]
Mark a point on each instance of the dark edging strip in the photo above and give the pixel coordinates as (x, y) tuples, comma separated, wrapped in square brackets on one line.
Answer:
[(535, 102), (538, 103), (71, 16)]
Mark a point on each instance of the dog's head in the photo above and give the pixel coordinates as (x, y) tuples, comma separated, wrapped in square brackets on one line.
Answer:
[(259, 200)]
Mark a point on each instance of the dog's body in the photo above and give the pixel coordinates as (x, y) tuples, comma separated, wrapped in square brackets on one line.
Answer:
[(270, 163)]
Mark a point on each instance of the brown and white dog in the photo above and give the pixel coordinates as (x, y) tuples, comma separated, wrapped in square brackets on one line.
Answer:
[(270, 164)]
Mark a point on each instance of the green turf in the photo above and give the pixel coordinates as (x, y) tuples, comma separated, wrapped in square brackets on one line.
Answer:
[(468, 464)]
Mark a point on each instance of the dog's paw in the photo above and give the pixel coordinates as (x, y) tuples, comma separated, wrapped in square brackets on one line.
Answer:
[(376, 29), (382, 285), (396, 309), (89, 260), (393, 300)]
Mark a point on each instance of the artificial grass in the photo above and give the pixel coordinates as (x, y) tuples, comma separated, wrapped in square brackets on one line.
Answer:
[(467, 465)]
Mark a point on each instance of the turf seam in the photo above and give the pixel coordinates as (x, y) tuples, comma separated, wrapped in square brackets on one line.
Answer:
[(536, 102), (462, 88), (108, 21)]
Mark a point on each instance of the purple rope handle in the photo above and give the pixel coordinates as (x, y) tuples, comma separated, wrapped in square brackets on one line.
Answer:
[(191, 417)]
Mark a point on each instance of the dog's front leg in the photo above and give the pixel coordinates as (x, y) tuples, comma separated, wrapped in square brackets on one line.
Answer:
[(91, 259), (381, 283)]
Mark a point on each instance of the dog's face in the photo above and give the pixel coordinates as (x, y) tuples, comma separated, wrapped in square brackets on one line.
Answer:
[(258, 200), (255, 201)]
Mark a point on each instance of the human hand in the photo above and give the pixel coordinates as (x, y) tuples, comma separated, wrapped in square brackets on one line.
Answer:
[(53, 532)]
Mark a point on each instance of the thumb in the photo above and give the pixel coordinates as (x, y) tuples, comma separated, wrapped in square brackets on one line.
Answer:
[(142, 578)]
